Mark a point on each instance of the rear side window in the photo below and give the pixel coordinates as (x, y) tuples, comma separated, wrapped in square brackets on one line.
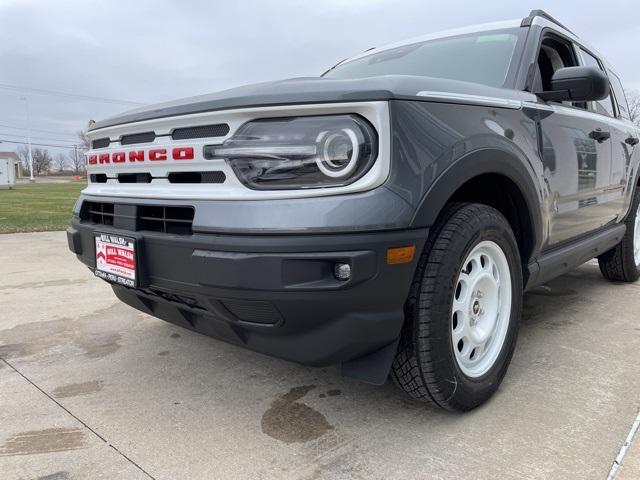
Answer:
[(605, 106), (618, 91)]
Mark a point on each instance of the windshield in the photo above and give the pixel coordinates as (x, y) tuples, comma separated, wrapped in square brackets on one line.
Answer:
[(480, 57)]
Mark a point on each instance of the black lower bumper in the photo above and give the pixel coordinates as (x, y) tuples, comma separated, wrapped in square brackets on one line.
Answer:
[(273, 294)]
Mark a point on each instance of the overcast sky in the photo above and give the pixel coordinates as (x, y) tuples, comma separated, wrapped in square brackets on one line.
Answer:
[(152, 51)]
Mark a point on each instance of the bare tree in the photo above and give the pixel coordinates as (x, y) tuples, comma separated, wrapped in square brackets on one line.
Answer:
[(60, 162), (23, 153), (76, 160), (78, 156), (41, 160), (633, 98), (85, 143)]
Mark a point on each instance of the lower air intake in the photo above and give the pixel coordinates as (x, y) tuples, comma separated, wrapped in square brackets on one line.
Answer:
[(157, 218), (154, 218)]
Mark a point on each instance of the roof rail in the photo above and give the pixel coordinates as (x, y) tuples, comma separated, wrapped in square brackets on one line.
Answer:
[(527, 21)]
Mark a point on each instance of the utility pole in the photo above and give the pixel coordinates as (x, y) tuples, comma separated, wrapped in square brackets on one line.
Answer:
[(26, 104), (76, 166)]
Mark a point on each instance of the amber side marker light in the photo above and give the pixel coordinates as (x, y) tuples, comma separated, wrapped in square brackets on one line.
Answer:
[(400, 255)]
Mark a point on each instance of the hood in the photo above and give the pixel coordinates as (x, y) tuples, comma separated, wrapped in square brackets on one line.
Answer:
[(308, 90)]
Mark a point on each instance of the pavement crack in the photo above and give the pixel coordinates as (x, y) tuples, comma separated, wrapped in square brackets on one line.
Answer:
[(625, 447), (84, 424)]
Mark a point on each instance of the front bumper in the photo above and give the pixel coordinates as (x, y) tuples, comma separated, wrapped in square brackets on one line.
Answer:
[(272, 294)]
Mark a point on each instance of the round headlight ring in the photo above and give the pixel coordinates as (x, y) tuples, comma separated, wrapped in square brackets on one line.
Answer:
[(328, 165)]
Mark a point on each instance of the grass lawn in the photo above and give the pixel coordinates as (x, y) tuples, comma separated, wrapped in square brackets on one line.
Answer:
[(38, 207)]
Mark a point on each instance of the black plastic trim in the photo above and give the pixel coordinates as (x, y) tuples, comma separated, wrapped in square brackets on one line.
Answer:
[(145, 137), (210, 284), (560, 260), (100, 143), (202, 131), (98, 177), (476, 163)]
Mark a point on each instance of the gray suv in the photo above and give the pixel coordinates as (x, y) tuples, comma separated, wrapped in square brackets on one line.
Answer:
[(386, 216)]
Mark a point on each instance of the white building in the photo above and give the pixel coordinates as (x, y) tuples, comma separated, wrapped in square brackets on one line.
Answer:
[(9, 169)]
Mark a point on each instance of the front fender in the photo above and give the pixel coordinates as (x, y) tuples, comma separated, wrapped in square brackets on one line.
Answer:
[(438, 147)]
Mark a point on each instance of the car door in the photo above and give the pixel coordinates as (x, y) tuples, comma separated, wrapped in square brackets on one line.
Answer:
[(578, 140), (620, 151), (625, 149)]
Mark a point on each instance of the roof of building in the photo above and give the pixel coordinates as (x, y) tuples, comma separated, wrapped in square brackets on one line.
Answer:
[(10, 155)]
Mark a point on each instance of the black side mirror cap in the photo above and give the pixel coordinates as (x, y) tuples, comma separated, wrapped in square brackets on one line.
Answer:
[(577, 84)]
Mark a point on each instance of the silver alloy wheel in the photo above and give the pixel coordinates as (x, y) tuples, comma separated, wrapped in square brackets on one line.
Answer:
[(636, 239), (481, 309)]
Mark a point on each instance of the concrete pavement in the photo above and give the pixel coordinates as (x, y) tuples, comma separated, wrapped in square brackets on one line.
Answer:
[(90, 388)]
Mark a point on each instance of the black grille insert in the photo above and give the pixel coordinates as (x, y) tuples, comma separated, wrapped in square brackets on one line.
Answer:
[(158, 218), (257, 311), (145, 137), (204, 131), (154, 218), (98, 212), (134, 178), (100, 143), (98, 178), (215, 176)]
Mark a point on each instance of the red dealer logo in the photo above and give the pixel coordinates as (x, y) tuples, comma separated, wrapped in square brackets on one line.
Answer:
[(153, 155), (122, 257)]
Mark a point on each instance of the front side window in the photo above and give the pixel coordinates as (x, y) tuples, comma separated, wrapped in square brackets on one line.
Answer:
[(604, 106), (481, 57), (555, 53), (621, 99)]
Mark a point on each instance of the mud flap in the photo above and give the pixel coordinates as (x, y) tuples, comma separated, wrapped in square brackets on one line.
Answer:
[(373, 368)]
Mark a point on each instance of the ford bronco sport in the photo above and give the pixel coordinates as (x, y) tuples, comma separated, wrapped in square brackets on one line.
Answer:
[(386, 216)]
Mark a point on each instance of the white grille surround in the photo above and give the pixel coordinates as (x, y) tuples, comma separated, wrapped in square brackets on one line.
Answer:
[(377, 113)]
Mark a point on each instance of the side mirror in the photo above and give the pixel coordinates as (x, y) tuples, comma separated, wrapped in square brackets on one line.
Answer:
[(577, 84)]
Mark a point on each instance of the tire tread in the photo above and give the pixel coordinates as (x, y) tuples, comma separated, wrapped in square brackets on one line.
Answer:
[(618, 264), (413, 366)]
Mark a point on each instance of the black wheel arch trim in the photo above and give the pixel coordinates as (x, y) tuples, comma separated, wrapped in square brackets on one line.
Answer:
[(634, 180), (476, 163)]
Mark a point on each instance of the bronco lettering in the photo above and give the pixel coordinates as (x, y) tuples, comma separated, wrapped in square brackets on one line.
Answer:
[(158, 154)]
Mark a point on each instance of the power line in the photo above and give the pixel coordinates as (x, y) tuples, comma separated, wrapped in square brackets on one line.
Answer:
[(42, 91), (36, 136), (32, 129), (38, 144)]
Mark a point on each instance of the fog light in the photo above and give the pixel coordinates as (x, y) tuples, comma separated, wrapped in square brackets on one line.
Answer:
[(342, 271)]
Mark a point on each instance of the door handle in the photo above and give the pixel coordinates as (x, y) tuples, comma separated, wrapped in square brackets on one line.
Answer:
[(599, 135), (631, 140)]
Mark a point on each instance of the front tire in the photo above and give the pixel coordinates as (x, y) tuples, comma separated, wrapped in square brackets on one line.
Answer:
[(622, 263), (463, 311)]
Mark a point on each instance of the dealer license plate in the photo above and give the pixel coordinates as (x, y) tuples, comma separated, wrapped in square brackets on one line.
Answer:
[(116, 259)]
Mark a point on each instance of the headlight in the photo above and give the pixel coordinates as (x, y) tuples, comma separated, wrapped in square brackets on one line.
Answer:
[(299, 152)]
